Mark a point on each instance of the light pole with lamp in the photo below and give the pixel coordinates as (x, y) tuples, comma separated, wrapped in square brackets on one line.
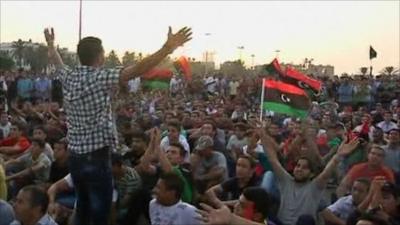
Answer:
[(206, 64)]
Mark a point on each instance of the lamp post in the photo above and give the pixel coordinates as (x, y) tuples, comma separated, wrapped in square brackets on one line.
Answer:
[(277, 53), (240, 52), (206, 64), (252, 61)]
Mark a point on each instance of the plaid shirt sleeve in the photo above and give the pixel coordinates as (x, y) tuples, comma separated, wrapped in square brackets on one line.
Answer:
[(62, 72), (109, 78)]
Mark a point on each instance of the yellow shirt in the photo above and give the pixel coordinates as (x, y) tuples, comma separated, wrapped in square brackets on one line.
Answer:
[(3, 185)]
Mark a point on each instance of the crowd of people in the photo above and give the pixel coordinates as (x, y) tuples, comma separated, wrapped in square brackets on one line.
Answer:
[(78, 147)]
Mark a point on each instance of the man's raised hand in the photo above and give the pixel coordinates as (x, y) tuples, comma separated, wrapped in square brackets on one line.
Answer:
[(49, 35), (179, 38)]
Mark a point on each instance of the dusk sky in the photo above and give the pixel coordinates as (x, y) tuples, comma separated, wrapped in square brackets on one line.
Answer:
[(338, 33)]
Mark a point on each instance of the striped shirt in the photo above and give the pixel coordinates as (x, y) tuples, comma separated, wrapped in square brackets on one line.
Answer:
[(87, 102), (129, 183)]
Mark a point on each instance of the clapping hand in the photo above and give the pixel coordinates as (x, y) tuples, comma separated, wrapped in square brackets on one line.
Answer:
[(179, 38)]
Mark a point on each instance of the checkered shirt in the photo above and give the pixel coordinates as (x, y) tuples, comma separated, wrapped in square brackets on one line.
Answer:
[(87, 102)]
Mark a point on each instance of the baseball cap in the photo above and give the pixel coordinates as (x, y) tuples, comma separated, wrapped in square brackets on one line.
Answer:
[(204, 142)]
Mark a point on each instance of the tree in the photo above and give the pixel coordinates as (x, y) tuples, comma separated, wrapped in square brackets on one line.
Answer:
[(388, 70), (69, 59), (363, 70), (128, 58), (19, 50), (6, 62), (112, 60)]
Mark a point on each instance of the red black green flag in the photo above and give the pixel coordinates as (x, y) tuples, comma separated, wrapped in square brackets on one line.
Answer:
[(183, 65), (285, 98), (297, 78), (274, 68), (157, 79)]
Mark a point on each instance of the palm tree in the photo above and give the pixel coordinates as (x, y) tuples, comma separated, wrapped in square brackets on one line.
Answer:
[(19, 49), (364, 70), (388, 70)]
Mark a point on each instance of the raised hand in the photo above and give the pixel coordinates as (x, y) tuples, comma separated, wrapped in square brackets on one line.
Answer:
[(347, 148), (211, 216), (179, 38), (49, 35)]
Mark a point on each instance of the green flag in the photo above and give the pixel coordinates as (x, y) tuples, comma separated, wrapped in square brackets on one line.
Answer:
[(372, 53)]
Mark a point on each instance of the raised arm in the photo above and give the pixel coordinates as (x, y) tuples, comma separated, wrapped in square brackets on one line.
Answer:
[(53, 54), (344, 150), (173, 42), (271, 148)]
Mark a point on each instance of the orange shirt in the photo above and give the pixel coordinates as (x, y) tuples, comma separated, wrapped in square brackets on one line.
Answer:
[(22, 142), (362, 170)]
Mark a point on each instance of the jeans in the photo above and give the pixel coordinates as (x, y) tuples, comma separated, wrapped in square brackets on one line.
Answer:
[(92, 177)]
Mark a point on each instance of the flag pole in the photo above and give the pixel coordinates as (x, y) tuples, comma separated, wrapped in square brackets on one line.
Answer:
[(262, 99), (80, 20)]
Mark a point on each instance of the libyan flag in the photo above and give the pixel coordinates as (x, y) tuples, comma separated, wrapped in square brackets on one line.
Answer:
[(285, 98), (297, 78), (183, 65), (274, 68), (157, 79)]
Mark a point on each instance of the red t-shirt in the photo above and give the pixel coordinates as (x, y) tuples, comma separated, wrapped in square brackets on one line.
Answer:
[(22, 142), (362, 170)]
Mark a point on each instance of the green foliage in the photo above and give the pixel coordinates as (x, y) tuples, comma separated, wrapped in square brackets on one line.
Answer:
[(112, 60)]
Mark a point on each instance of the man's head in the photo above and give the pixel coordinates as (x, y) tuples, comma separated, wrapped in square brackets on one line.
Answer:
[(376, 154), (394, 136), (240, 130), (91, 52), (176, 153), (4, 118), (390, 199), (377, 134), (60, 149), (252, 137), (304, 170), (168, 189), (208, 128), (16, 130), (359, 190), (37, 146), (253, 204), (204, 146), (31, 204), (174, 129), (273, 129), (245, 166), (40, 133), (387, 116), (137, 141)]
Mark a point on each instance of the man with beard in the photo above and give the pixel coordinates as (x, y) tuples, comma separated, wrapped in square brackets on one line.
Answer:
[(301, 193)]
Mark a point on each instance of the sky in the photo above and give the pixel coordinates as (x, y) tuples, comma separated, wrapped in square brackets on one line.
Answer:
[(337, 33)]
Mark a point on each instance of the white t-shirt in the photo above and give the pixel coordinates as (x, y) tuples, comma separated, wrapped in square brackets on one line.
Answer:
[(233, 86), (211, 84), (181, 213), (6, 129), (134, 85)]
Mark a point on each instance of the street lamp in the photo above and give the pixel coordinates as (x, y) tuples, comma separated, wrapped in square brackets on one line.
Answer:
[(240, 52), (252, 61), (206, 66), (277, 53)]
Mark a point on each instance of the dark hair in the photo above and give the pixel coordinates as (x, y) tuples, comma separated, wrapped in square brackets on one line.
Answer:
[(89, 48), (42, 128), (182, 150), (62, 141), (211, 122), (252, 162), (116, 159), (310, 164), (173, 183), (37, 197), (39, 142), (175, 123), (260, 198)]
